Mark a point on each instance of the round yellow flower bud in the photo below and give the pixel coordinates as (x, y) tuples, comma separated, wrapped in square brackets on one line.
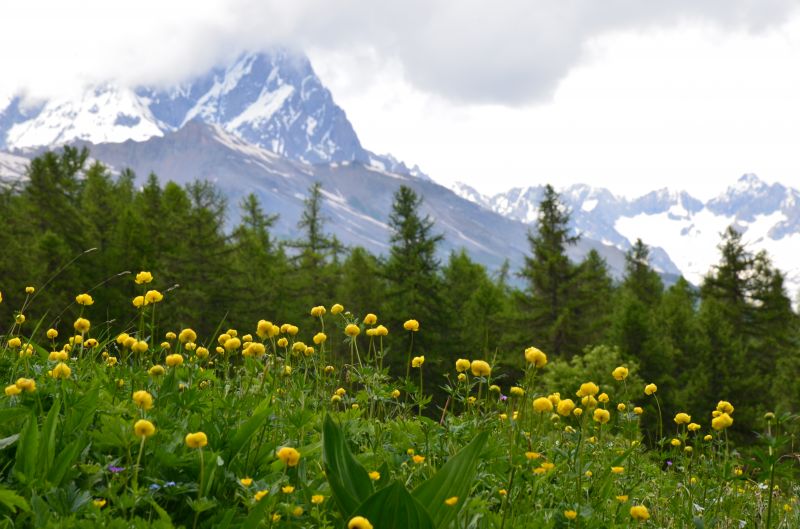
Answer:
[(480, 368), (196, 440), (144, 428)]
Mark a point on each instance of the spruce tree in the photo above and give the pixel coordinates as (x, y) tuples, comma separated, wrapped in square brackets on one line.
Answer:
[(411, 270), (548, 272)]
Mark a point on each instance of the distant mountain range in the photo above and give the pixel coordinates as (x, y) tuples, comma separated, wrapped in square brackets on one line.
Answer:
[(683, 231), (267, 124)]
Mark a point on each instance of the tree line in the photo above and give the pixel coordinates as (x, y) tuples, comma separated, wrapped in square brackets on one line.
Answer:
[(73, 227)]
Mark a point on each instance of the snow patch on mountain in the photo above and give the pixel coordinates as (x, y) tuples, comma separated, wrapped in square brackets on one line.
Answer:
[(104, 114)]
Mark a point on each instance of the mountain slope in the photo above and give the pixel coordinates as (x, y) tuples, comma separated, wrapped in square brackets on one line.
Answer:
[(358, 197)]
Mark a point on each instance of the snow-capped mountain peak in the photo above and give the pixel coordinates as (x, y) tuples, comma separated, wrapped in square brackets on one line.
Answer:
[(103, 114), (272, 99)]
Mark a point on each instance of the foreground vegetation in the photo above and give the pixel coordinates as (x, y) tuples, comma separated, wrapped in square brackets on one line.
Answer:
[(269, 427), (139, 404)]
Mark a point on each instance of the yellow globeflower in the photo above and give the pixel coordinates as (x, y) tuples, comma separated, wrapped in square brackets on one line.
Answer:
[(153, 296), (380, 330), (14, 343), (144, 428), (517, 391), (370, 319), (536, 357), (143, 277), (61, 370), (187, 335), (138, 302), (722, 421), (84, 299), (620, 373), (542, 405), (12, 390), (640, 513), (26, 384), (650, 389), (693, 427), (462, 364), (480, 368), (570, 515), (289, 456), (617, 470), (411, 325), (359, 522), (316, 499), (336, 309), (139, 347), (318, 311), (638, 410), (725, 407), (143, 399), (602, 416), (19, 318), (52, 334), (675, 442), (287, 489), (565, 407), (156, 371), (588, 389), (232, 344), (374, 475), (30, 290), (417, 361), (683, 418), (174, 360), (283, 342), (320, 338), (418, 459), (395, 393), (352, 330), (196, 440)]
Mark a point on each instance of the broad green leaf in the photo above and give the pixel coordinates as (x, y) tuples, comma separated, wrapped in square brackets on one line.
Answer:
[(47, 442), (248, 428), (256, 515), (13, 501), (349, 481), (64, 461), (393, 507), (455, 478), (28, 448)]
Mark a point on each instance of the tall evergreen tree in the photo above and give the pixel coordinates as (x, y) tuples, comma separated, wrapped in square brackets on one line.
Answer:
[(549, 275), (412, 269)]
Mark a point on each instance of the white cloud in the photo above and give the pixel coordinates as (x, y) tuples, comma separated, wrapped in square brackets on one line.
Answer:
[(622, 93)]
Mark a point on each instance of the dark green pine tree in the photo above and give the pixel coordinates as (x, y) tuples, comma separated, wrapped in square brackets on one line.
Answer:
[(314, 276), (592, 295), (728, 316), (412, 271), (635, 326), (362, 289), (473, 304), (775, 341), (258, 266), (547, 315)]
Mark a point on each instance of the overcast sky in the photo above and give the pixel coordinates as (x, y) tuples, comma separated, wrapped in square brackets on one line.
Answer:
[(624, 94)]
